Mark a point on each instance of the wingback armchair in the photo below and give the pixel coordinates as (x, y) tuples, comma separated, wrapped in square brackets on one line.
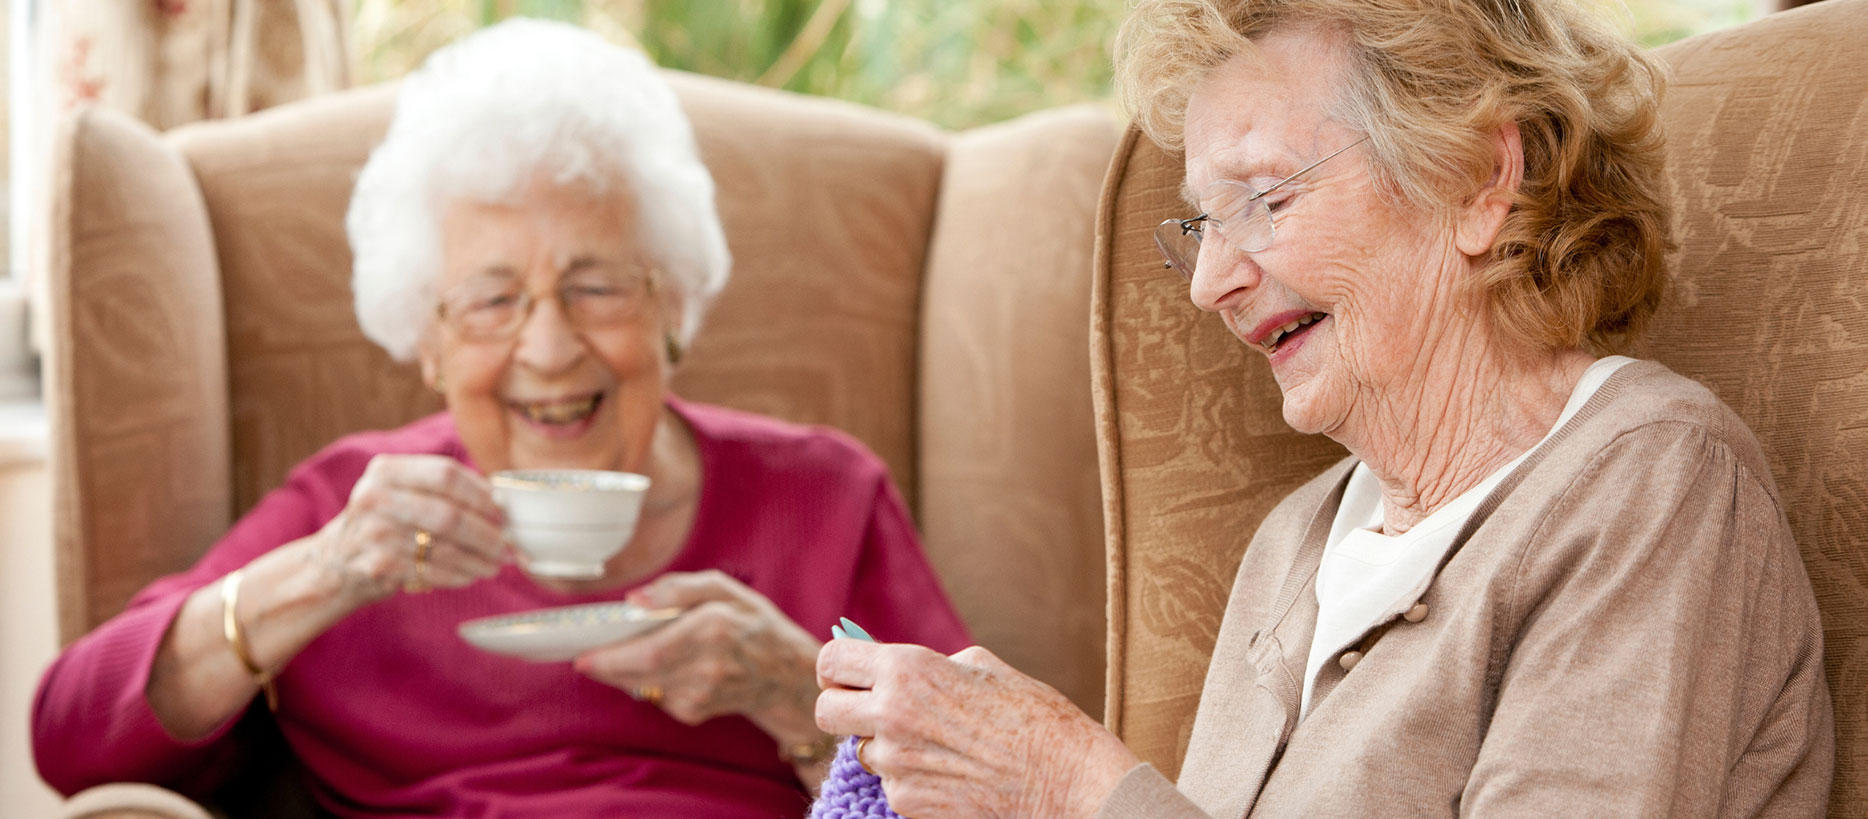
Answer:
[(1767, 305), (925, 291)]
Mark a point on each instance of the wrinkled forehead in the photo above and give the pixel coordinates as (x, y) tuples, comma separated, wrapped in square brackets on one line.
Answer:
[(540, 225), (1265, 112)]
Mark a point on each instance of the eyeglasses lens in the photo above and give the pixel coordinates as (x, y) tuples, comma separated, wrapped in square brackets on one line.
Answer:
[(1236, 221), (1179, 241), (587, 302)]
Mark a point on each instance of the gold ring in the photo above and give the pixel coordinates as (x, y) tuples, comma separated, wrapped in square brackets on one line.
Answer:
[(860, 742), (423, 542), (651, 694)]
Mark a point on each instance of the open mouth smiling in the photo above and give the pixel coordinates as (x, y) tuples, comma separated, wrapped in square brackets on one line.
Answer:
[(1288, 327), (559, 411)]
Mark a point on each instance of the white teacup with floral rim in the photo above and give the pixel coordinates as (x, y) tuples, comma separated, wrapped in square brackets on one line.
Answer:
[(567, 523)]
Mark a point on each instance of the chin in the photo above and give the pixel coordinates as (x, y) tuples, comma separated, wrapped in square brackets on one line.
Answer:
[(1301, 421), (1305, 413), (567, 462)]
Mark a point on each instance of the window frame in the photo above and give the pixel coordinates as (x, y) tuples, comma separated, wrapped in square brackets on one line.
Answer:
[(25, 181)]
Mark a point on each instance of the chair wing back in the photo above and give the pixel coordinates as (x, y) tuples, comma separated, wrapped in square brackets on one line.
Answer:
[(1767, 129), (1194, 450), (1767, 305), (1009, 498), (135, 366)]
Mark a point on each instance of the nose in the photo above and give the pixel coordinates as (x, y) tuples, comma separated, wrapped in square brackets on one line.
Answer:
[(1223, 278), (547, 341)]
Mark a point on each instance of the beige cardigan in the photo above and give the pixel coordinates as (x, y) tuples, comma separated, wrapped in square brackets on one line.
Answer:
[(1624, 628)]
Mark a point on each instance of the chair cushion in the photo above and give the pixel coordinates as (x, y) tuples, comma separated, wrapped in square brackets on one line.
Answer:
[(301, 374), (829, 207)]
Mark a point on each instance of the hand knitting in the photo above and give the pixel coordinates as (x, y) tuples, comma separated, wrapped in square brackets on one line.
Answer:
[(849, 791)]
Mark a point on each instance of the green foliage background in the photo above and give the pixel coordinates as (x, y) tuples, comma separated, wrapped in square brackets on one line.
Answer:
[(958, 63)]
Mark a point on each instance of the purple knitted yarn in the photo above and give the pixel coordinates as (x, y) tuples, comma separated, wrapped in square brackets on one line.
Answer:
[(850, 792)]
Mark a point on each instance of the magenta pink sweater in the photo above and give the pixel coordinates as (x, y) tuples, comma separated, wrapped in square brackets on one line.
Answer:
[(392, 714)]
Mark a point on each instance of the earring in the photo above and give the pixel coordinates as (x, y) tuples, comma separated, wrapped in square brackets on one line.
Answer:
[(441, 383), (674, 348)]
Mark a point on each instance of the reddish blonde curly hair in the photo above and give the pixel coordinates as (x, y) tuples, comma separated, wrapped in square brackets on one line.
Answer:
[(1578, 260)]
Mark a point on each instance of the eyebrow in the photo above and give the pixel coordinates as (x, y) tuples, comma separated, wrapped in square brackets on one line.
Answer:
[(584, 262), (1238, 170), (506, 271), (497, 271), (1286, 178)]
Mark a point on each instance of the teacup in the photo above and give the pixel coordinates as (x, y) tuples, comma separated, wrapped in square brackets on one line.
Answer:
[(569, 522)]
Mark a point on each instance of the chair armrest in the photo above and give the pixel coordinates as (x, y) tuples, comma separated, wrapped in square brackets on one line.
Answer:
[(131, 800)]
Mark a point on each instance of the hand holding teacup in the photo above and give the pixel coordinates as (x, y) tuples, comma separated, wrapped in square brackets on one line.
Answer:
[(412, 523), (421, 522)]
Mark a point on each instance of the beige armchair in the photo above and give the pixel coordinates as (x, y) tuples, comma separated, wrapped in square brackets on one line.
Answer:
[(1768, 306), (925, 291)]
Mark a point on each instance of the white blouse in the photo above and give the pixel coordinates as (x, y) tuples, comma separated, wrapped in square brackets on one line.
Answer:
[(1367, 578)]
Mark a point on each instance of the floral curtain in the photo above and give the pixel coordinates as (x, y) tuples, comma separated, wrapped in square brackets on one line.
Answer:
[(172, 62)]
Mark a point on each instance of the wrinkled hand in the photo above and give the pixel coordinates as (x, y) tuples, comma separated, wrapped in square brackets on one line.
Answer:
[(731, 652), (373, 547), (967, 735)]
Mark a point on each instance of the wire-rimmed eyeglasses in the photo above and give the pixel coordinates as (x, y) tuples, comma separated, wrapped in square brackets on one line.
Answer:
[(589, 299), (1240, 212)]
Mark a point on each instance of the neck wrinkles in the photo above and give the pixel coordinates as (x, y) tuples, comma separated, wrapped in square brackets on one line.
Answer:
[(1469, 410), (673, 465)]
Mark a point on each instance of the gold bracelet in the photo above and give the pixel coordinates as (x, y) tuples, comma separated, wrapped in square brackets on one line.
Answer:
[(810, 753), (236, 638)]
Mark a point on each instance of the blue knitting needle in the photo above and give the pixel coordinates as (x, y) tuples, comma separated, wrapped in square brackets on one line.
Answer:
[(851, 630)]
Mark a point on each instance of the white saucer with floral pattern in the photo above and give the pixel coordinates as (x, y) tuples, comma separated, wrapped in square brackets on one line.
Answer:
[(558, 634)]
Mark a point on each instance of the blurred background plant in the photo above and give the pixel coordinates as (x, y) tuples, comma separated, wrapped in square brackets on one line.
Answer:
[(955, 62), (958, 63)]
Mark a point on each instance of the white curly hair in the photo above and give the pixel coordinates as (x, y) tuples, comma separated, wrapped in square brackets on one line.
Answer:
[(486, 114)]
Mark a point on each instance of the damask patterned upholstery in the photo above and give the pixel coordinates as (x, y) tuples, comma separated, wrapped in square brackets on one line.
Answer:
[(1195, 453), (885, 282), (1768, 128)]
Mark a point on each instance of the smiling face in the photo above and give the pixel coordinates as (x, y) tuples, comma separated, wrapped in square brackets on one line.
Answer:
[(1351, 297), (554, 395)]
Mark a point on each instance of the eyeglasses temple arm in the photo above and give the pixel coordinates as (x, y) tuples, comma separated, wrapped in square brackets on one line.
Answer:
[(1306, 169)]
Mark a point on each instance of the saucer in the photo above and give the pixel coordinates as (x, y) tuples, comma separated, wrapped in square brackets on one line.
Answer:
[(558, 634)]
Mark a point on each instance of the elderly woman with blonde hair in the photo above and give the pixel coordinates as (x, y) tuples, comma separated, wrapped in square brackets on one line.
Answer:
[(1546, 581), (538, 231)]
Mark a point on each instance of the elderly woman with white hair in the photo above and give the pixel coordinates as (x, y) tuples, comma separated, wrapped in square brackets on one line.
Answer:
[(538, 231), (1547, 581)]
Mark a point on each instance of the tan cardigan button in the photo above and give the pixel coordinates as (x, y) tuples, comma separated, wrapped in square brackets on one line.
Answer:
[(1349, 659), (1416, 614)]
